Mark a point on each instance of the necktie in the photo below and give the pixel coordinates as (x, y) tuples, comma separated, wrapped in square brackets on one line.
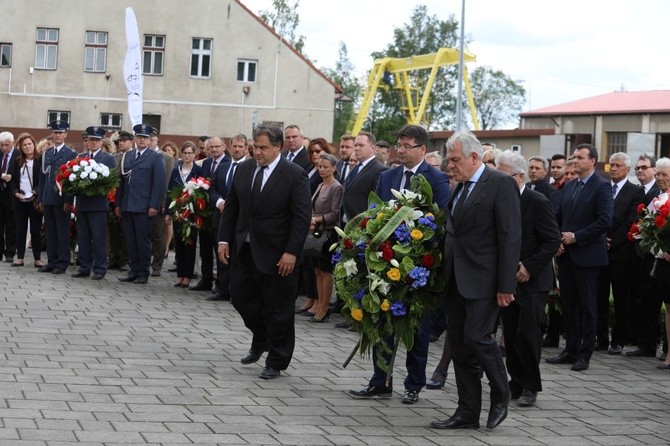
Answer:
[(213, 168), (615, 187), (290, 156), (137, 154), (353, 174), (461, 200), (408, 177), (231, 174), (258, 181), (4, 163), (345, 170), (578, 190)]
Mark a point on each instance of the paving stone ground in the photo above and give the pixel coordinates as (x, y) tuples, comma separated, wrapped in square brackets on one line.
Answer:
[(107, 363)]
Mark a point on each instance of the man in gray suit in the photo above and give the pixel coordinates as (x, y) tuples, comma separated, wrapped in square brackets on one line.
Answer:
[(481, 257)]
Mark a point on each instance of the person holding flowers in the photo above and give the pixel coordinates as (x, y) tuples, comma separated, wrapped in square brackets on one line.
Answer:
[(94, 167), (184, 244), (411, 148)]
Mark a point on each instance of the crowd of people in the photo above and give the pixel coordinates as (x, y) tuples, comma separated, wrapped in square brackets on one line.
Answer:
[(516, 231)]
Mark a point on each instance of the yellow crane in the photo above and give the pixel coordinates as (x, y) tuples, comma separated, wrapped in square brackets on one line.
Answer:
[(414, 100)]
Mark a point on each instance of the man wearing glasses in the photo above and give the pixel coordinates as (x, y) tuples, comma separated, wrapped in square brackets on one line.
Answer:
[(645, 169)]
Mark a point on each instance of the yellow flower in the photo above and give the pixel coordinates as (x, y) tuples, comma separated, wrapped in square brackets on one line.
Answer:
[(429, 214), (380, 216), (393, 274), (385, 305), (357, 314), (416, 234)]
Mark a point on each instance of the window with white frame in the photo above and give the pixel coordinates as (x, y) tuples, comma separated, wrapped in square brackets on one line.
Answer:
[(95, 52), (58, 115), (246, 70), (153, 54), (46, 49), (201, 57), (5, 55), (111, 120), (616, 142)]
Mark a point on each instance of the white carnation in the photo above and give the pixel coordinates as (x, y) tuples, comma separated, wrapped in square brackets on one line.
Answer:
[(93, 175), (105, 173), (83, 163), (87, 169), (84, 175), (92, 163), (72, 177), (75, 168)]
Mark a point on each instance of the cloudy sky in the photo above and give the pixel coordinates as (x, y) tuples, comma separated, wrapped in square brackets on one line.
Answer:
[(561, 51)]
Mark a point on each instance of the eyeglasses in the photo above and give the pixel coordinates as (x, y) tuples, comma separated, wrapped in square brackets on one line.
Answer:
[(315, 151), (638, 168), (398, 147), (216, 147), (188, 153)]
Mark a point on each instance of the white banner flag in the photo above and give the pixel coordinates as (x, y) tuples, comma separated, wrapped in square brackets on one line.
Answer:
[(132, 69)]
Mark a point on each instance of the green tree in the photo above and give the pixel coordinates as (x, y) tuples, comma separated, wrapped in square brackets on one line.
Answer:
[(344, 75), (284, 19), (423, 34), (498, 98)]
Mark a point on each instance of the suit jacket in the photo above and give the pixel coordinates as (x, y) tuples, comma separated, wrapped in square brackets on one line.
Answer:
[(623, 216), (101, 202), (328, 204), (301, 159), (34, 173), (176, 181), (543, 186), (482, 244), (144, 185), (277, 221), (339, 167), (356, 192), (540, 239), (5, 187), (654, 192), (169, 165), (589, 219), (438, 180), (314, 180), (48, 192), (218, 188)]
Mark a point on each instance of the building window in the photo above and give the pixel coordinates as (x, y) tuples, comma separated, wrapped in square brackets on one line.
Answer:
[(152, 55), (201, 57), (5, 55), (246, 70), (95, 52), (111, 121), (58, 115), (46, 49), (616, 142)]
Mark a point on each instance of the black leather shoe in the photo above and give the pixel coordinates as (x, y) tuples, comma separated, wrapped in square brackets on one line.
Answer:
[(497, 415), (641, 353), (269, 373), (81, 274), (155, 273), (127, 278), (140, 281), (97, 276), (433, 337), (550, 342), (342, 325), (527, 398), (201, 286), (455, 422), (615, 350), (46, 269), (580, 365), (217, 296), (172, 270), (57, 271), (372, 392), (563, 358), (437, 381), (252, 356)]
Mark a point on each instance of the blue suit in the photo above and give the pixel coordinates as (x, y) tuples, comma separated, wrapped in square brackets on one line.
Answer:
[(217, 191), (417, 357), (142, 187), (92, 225), (56, 220)]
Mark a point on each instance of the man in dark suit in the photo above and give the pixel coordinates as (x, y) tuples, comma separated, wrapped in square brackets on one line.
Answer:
[(343, 165), (263, 228), (645, 169), (538, 167), (481, 257), (540, 239), (92, 215), (7, 218), (140, 197), (584, 215), (411, 147), (621, 253), (295, 150), (57, 208)]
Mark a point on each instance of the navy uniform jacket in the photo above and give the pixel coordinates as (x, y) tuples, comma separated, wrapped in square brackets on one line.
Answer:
[(438, 180), (142, 182), (48, 193), (100, 202)]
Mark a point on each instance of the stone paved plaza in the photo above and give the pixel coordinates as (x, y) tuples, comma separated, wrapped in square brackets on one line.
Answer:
[(101, 363)]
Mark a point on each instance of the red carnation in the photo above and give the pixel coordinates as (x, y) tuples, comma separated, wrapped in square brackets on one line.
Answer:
[(659, 221), (198, 222), (630, 237), (348, 243), (640, 208), (387, 255), (63, 167), (428, 260), (364, 222), (634, 228), (186, 214), (664, 210), (201, 203)]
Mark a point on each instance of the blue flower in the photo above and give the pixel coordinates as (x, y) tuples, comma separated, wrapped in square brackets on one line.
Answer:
[(372, 206), (428, 222), (420, 276), (401, 234), (398, 309), (336, 257), (359, 295)]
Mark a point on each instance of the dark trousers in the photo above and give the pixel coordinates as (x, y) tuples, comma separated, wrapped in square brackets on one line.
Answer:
[(25, 213), (222, 271), (653, 293), (415, 363), (7, 225), (57, 226), (579, 290), (267, 306), (92, 241), (118, 254), (206, 255), (471, 323), (184, 253), (137, 233), (618, 275), (158, 240), (523, 339)]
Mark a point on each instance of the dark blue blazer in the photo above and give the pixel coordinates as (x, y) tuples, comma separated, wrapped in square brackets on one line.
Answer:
[(48, 193), (143, 185), (176, 181), (218, 189), (589, 219), (98, 203), (314, 180), (438, 180)]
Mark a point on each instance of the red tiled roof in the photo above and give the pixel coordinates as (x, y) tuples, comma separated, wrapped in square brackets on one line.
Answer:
[(618, 102)]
